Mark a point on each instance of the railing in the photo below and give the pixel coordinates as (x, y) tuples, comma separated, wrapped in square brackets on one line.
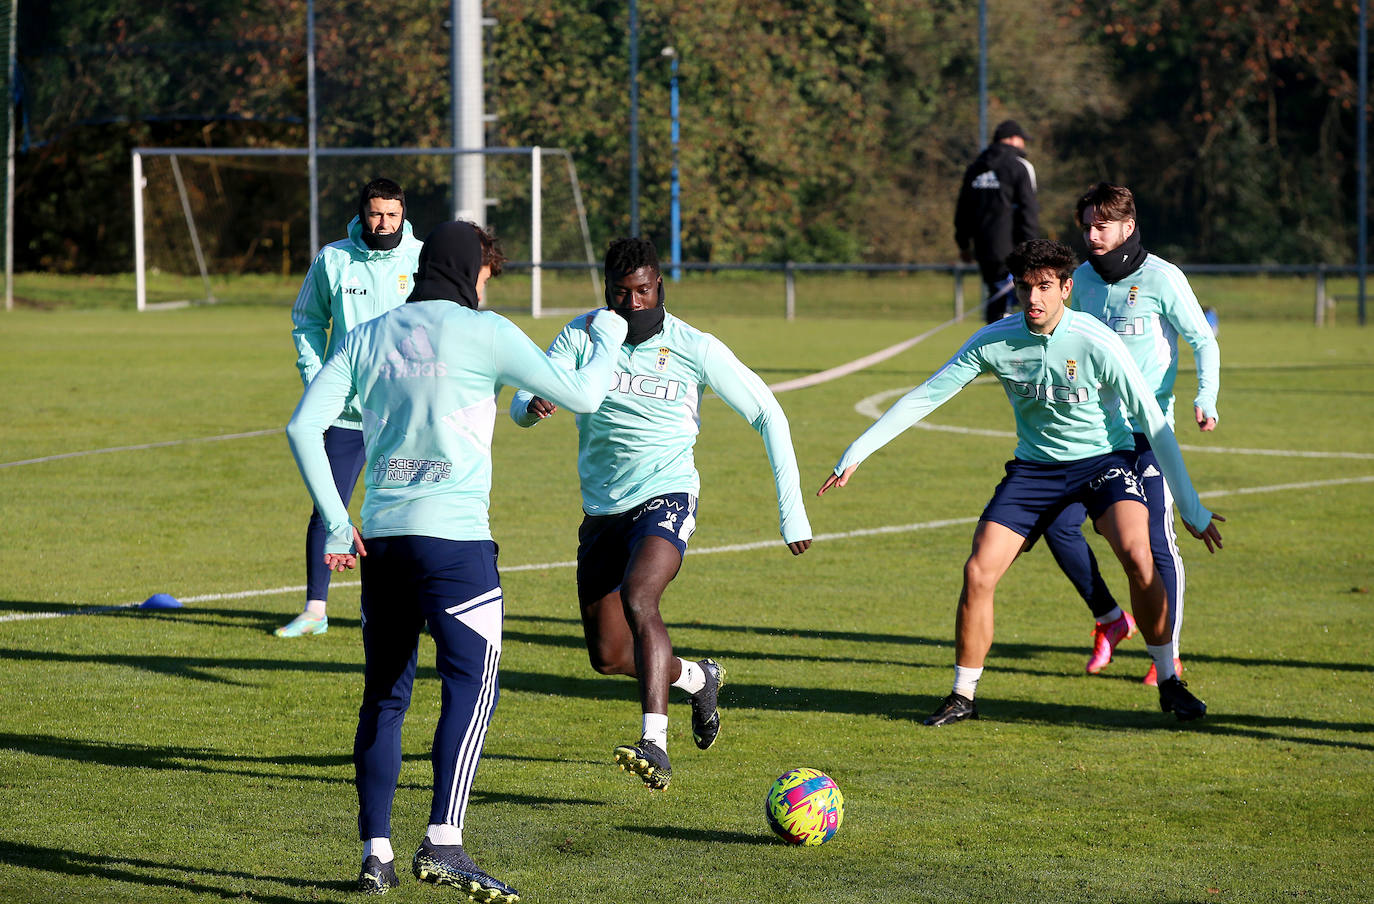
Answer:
[(790, 269)]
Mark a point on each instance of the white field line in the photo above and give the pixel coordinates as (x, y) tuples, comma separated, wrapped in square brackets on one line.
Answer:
[(734, 547), (142, 446), (870, 407), (824, 376)]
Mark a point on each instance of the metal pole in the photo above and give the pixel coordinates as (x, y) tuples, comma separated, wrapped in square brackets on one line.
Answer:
[(1362, 191), (789, 291), (140, 276), (9, 160), (536, 230), (982, 73), (675, 214), (634, 118), (313, 145), (465, 64)]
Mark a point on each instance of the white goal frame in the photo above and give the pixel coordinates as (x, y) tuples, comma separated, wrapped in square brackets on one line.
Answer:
[(536, 155)]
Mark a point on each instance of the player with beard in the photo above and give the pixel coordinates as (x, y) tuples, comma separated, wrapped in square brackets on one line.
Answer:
[(1146, 301), (1070, 381), (639, 492), (350, 282)]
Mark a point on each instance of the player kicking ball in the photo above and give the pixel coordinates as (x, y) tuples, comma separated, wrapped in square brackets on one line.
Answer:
[(639, 492), (1063, 372)]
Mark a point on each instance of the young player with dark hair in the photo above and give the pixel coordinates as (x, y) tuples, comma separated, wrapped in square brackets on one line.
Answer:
[(1146, 301), (425, 377), (349, 282), (639, 492), (1063, 372)]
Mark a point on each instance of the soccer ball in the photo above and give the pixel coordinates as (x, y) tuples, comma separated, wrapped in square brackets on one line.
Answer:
[(804, 806)]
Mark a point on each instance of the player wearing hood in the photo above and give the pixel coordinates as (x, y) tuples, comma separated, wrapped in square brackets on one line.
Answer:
[(425, 377)]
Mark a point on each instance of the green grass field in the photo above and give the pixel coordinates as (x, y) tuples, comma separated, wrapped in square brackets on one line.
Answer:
[(188, 755)]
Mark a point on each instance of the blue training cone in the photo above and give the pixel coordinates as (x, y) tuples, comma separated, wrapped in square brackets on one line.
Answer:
[(161, 601)]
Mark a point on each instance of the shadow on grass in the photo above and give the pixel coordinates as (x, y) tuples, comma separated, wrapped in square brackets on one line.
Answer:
[(188, 759), (707, 836), (218, 883), (1245, 725), (196, 668)]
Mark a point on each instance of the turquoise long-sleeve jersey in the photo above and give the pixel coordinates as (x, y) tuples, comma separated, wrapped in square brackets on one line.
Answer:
[(349, 283), (638, 443), (425, 377), (1149, 310), (1067, 391)]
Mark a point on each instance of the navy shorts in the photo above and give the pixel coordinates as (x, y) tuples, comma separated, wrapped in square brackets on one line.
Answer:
[(1033, 493), (605, 542)]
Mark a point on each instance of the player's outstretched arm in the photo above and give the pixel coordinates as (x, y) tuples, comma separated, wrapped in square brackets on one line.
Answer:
[(320, 404), (528, 409), (750, 398), (521, 363)]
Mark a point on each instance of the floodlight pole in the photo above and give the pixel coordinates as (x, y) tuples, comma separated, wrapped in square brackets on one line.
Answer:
[(676, 209), (982, 73), (311, 143), (634, 118)]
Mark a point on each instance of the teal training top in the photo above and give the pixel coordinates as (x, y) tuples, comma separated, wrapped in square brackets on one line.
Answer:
[(348, 284), (1067, 390), (426, 377), (638, 443), (1149, 310)]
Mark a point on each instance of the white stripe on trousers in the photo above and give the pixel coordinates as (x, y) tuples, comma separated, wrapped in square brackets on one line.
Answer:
[(1174, 607), (470, 750)]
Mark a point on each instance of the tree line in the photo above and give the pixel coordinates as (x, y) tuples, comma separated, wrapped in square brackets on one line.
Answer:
[(811, 130)]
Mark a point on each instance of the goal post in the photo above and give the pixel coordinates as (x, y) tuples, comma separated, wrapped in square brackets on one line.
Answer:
[(202, 216)]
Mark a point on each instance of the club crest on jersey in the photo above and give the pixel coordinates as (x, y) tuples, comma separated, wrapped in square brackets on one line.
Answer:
[(403, 283), (1131, 295), (1071, 369), (661, 362)]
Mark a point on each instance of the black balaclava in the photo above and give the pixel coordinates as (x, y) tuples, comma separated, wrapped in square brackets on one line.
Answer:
[(642, 324), (381, 242), (1120, 262), (449, 264)]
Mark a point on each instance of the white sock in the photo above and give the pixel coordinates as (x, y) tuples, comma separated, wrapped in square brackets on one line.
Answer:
[(1163, 655), (315, 607), (656, 729), (379, 848), (966, 681), (442, 833), (1110, 616), (692, 679)]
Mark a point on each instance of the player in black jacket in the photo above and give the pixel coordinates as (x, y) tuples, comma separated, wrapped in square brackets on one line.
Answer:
[(997, 211)]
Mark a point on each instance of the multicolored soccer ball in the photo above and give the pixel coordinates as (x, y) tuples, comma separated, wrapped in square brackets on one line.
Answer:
[(804, 806)]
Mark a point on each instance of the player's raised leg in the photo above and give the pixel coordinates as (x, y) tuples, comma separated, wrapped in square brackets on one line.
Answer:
[(1075, 558), (1164, 544)]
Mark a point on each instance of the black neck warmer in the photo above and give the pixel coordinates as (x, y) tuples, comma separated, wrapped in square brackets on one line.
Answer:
[(449, 264), (382, 242), (1120, 262), (642, 324)]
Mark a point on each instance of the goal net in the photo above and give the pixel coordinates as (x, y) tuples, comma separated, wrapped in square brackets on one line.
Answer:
[(233, 224)]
